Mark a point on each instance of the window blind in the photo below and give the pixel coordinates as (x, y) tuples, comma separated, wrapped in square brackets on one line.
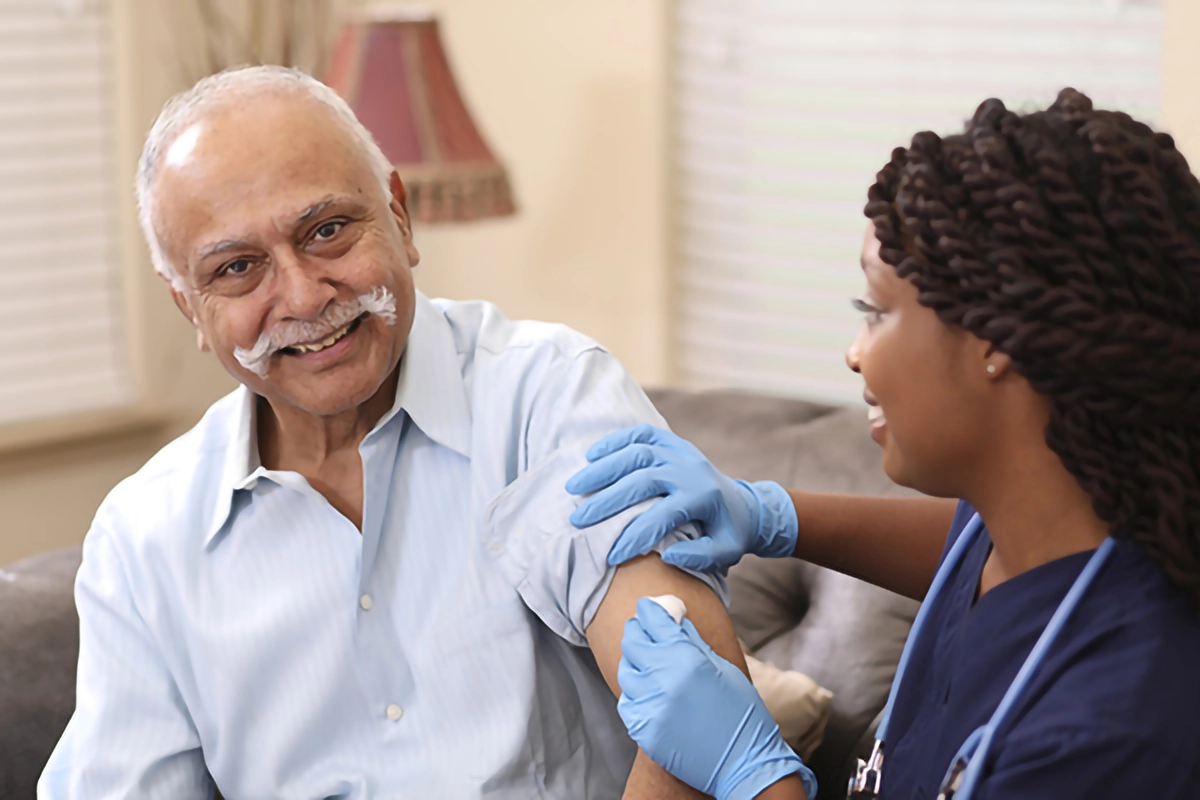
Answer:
[(784, 110), (60, 300)]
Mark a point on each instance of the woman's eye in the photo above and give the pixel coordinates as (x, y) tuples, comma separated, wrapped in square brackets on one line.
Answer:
[(872, 313), (327, 231)]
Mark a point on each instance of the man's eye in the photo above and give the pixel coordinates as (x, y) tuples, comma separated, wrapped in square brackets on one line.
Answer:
[(237, 267), (327, 231)]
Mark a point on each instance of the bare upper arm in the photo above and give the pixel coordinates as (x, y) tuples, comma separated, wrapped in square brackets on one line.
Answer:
[(633, 580)]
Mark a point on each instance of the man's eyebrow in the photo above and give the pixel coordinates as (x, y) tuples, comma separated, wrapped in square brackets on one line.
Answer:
[(315, 209), (220, 247), (324, 204)]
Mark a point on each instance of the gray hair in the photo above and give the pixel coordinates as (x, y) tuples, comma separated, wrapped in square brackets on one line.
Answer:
[(187, 107)]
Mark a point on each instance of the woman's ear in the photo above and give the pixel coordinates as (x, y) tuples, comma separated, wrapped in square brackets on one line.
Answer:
[(997, 364)]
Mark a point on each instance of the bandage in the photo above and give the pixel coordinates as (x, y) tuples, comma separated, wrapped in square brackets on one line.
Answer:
[(672, 605)]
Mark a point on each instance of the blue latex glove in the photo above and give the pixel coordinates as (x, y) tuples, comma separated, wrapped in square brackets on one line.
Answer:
[(695, 714), (643, 462)]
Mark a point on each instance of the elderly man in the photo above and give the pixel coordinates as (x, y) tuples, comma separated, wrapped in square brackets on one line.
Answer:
[(355, 577)]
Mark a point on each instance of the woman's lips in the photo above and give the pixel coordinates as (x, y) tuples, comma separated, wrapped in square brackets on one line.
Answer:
[(878, 422)]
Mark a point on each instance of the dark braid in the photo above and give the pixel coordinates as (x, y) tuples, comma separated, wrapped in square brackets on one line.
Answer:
[(1070, 239)]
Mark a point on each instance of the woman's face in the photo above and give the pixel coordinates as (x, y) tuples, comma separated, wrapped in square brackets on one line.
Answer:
[(926, 383)]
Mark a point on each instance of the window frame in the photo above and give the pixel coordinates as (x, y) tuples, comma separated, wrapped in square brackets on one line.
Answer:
[(141, 413)]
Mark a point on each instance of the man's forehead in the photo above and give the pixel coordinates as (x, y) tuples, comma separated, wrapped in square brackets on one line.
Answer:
[(276, 137), (180, 150), (249, 202), (201, 186)]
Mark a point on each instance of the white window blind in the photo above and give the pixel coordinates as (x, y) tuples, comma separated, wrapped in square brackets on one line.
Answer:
[(784, 110), (60, 299)]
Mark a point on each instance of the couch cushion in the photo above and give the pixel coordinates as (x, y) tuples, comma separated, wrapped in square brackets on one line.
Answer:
[(39, 647), (742, 434)]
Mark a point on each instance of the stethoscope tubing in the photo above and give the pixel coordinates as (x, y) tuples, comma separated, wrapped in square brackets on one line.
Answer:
[(975, 750), (964, 541)]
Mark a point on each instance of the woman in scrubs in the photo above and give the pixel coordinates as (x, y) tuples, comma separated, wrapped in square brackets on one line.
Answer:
[(1031, 349)]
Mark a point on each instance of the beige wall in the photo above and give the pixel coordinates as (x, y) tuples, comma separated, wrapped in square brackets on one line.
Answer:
[(572, 96), (1181, 68)]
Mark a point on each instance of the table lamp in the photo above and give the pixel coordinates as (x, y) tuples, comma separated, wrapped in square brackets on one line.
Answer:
[(390, 66)]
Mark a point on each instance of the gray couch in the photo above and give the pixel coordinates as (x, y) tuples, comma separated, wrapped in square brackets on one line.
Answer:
[(845, 634)]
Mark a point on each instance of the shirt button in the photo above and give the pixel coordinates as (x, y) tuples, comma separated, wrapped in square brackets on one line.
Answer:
[(366, 602), (394, 712)]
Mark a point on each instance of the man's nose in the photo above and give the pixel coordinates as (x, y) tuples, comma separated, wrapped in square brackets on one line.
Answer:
[(304, 290)]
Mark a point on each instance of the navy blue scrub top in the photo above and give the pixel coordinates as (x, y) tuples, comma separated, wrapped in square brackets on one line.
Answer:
[(1113, 712)]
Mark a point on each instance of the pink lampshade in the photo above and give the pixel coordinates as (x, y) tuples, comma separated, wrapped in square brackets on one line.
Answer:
[(393, 72)]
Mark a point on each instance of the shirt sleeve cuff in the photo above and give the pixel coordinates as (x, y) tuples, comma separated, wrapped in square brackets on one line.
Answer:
[(562, 572)]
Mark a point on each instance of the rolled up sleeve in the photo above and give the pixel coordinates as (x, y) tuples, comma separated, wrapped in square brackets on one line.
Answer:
[(562, 572)]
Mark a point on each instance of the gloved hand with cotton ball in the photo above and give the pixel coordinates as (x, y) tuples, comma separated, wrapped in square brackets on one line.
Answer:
[(643, 462), (694, 713)]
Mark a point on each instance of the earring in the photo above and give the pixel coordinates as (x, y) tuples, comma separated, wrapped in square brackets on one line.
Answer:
[(991, 368)]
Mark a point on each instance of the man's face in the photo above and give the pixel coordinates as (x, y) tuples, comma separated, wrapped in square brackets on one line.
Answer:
[(277, 224)]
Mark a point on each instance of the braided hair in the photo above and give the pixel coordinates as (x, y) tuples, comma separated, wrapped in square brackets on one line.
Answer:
[(1069, 239)]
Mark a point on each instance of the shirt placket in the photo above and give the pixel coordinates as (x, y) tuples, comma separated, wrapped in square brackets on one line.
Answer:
[(384, 672)]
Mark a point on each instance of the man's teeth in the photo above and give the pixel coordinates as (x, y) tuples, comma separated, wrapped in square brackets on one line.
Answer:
[(329, 340), (874, 413)]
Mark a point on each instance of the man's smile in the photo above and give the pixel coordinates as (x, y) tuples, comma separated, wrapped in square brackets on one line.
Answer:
[(328, 341)]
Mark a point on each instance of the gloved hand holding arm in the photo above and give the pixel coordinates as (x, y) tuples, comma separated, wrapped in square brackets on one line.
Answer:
[(696, 715), (893, 542), (642, 462)]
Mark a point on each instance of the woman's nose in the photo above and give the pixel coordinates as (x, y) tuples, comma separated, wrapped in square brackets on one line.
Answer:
[(852, 353)]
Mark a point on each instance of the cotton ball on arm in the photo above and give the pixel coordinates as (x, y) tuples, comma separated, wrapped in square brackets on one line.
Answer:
[(672, 605)]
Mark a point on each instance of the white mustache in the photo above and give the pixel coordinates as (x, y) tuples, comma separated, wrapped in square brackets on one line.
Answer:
[(379, 301)]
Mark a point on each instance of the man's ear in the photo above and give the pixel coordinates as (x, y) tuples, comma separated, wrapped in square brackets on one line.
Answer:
[(399, 208), (181, 302)]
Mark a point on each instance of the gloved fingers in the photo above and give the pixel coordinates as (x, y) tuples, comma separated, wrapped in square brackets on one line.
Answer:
[(645, 530), (637, 688), (633, 714), (658, 625), (617, 498), (644, 433), (693, 636), (629, 678), (636, 645), (705, 554), (630, 490), (611, 468)]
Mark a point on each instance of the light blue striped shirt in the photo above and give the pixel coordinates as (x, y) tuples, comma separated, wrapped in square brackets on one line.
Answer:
[(233, 623)]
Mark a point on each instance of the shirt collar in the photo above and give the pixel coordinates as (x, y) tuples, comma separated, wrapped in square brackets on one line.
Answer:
[(430, 390), (241, 458)]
